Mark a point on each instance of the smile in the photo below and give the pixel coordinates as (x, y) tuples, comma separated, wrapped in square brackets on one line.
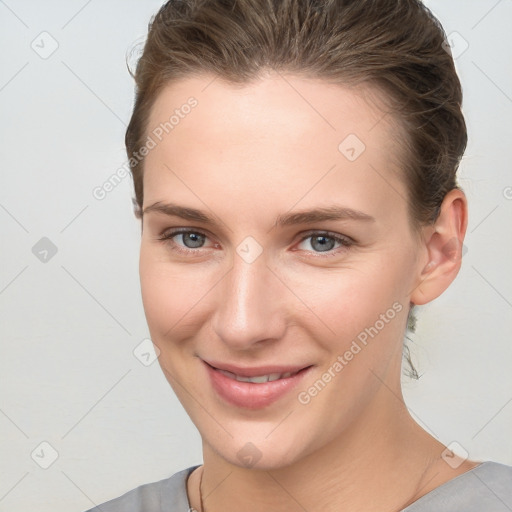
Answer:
[(256, 387)]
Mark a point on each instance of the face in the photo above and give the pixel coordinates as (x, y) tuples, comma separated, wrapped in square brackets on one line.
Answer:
[(277, 262)]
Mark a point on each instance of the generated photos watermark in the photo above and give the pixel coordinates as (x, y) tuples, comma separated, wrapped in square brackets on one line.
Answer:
[(157, 135), (358, 343)]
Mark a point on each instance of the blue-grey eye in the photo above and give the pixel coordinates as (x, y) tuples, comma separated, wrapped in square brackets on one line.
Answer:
[(192, 240), (322, 243)]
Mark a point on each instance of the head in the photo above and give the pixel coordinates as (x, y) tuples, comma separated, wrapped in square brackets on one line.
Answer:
[(307, 152)]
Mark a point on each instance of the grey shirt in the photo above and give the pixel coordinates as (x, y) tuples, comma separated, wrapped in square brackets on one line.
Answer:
[(485, 488)]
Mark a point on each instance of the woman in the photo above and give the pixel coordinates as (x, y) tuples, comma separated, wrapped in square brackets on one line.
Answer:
[(295, 168)]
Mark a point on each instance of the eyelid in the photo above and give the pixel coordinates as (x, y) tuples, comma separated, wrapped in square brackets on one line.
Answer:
[(170, 232), (330, 234)]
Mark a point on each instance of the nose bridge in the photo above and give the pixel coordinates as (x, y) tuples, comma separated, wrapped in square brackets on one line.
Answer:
[(246, 311)]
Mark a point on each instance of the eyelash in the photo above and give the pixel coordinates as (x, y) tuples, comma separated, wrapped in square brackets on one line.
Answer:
[(345, 241)]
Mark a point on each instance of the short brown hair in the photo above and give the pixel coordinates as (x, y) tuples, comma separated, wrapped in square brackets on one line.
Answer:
[(396, 45)]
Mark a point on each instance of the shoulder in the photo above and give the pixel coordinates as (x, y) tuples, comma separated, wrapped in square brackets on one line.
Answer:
[(486, 487), (164, 495)]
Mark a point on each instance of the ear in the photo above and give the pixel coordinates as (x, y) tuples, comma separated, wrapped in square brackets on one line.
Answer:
[(444, 248)]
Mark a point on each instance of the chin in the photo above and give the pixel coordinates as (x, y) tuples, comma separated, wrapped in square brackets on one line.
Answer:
[(255, 451)]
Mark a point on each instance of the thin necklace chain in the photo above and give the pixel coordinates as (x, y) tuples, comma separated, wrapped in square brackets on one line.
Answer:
[(201, 490)]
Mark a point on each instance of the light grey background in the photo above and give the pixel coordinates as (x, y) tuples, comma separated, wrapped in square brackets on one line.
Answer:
[(70, 324)]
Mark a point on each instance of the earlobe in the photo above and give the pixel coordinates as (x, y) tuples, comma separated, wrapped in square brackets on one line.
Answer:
[(444, 247)]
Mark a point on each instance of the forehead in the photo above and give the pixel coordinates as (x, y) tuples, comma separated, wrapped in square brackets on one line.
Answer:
[(274, 104), (280, 133)]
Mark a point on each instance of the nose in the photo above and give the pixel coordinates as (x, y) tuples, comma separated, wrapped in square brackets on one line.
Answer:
[(250, 306)]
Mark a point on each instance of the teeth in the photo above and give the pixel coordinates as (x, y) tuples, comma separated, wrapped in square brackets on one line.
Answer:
[(227, 374), (259, 379)]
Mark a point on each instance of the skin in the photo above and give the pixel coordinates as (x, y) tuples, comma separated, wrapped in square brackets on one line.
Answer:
[(245, 155)]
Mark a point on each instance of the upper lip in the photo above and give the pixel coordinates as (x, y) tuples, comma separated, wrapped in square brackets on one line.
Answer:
[(255, 371)]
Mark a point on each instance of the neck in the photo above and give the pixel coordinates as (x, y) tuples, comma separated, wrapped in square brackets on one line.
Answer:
[(382, 462)]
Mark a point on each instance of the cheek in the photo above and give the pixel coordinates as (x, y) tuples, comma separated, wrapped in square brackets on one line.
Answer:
[(345, 301), (172, 299), (170, 294)]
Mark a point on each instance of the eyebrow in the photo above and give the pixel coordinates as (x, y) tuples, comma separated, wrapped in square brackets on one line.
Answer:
[(333, 212)]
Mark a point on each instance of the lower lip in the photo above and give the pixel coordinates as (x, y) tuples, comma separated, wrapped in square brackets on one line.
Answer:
[(250, 395)]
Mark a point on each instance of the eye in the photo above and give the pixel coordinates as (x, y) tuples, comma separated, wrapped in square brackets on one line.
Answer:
[(190, 241), (325, 242), (184, 240)]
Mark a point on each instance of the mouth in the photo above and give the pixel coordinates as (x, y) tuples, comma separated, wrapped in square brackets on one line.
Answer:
[(255, 387)]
